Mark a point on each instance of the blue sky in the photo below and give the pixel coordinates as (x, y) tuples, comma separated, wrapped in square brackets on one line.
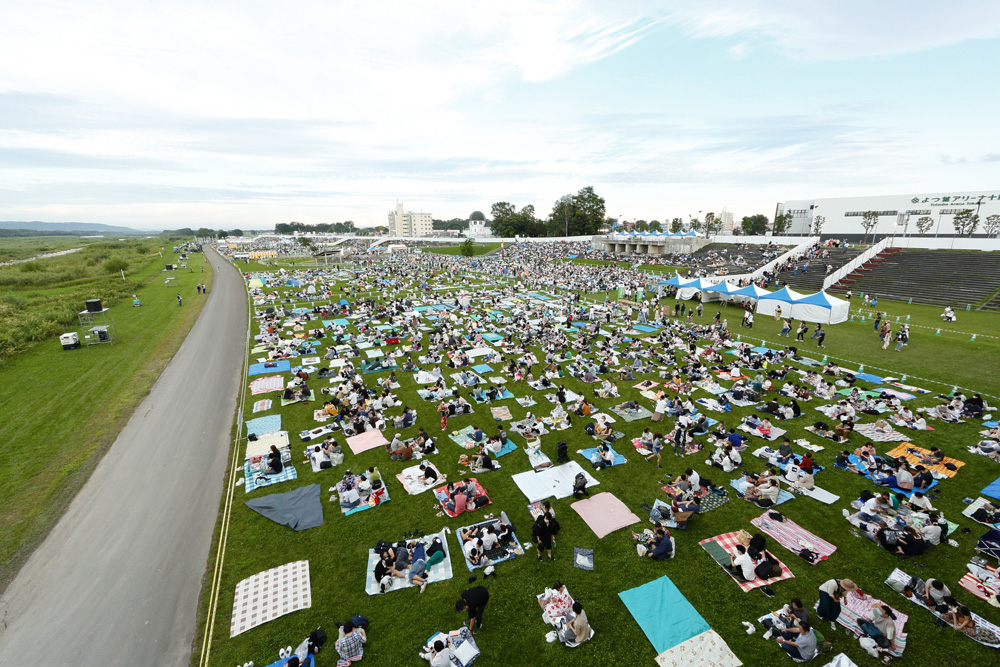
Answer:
[(249, 113)]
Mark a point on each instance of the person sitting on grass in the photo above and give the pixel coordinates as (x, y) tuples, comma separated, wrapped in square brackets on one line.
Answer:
[(273, 465), (799, 641), (350, 644)]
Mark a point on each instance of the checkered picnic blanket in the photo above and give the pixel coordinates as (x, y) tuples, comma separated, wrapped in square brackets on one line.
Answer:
[(913, 454), (266, 385), (254, 479), (633, 415), (793, 537), (719, 548), (270, 594)]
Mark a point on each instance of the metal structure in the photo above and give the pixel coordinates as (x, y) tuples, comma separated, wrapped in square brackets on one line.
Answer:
[(98, 326)]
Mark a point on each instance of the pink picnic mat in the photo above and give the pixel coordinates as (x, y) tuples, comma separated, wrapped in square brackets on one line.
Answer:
[(793, 537), (604, 513), (367, 440)]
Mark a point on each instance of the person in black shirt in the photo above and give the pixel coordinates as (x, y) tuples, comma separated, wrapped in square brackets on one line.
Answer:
[(474, 601), (274, 466)]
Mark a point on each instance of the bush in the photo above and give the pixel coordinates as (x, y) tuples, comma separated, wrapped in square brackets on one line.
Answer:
[(32, 267), (115, 264)]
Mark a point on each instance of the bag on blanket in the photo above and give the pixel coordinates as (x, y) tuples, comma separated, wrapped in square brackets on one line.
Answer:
[(808, 555), (776, 516)]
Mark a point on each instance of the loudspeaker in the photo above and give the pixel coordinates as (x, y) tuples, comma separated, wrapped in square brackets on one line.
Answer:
[(94, 306)]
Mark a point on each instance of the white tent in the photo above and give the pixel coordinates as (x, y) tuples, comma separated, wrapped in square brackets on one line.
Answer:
[(783, 298), (821, 307), (689, 289)]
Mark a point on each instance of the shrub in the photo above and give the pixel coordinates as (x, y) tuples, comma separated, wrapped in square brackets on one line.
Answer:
[(115, 264)]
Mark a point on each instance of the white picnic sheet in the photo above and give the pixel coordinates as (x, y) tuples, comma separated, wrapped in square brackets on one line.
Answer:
[(479, 352), (552, 482), (262, 445)]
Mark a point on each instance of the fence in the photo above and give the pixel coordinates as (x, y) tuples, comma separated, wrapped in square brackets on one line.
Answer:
[(848, 268)]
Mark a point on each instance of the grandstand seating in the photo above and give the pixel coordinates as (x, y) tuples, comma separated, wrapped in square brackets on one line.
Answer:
[(936, 277), (812, 280)]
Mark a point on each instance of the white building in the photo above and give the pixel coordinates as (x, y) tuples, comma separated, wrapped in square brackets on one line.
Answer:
[(898, 214), (726, 218), (478, 225), (410, 223)]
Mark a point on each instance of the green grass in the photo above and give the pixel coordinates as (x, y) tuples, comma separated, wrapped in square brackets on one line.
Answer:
[(401, 621), (65, 408), (22, 247), (456, 249)]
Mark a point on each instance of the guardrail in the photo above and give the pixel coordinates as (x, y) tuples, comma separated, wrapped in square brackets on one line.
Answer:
[(781, 259), (848, 268)]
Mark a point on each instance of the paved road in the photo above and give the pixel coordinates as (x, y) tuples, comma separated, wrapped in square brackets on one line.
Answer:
[(117, 580)]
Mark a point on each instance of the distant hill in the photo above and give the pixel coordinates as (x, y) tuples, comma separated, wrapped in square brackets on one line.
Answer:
[(70, 227)]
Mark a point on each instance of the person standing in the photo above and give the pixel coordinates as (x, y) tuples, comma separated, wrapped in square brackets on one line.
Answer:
[(820, 336), (749, 319), (801, 331), (902, 337), (887, 336), (473, 600), (179, 300), (542, 532)]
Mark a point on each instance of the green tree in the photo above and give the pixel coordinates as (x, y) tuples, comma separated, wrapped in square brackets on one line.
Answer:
[(713, 225), (924, 224), (676, 225), (236, 232), (577, 215), (695, 223), (467, 248), (204, 233), (869, 221), (508, 221), (818, 223), (966, 221), (655, 226), (991, 225), (781, 223), (641, 226), (754, 225)]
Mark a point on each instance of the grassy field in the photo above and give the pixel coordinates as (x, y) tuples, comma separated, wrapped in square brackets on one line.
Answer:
[(65, 408), (456, 249), (401, 621), (22, 247)]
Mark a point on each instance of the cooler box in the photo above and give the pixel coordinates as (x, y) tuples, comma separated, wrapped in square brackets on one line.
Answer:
[(70, 341)]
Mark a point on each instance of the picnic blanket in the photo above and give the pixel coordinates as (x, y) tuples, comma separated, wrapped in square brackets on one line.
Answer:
[(741, 484), (499, 553), (553, 482), (261, 425), (279, 366), (262, 405), (898, 577), (773, 435), (438, 572), (664, 614), (721, 546), (992, 489), (367, 440), (592, 455), (269, 594), (604, 513), (914, 454), (876, 434), (501, 413), (299, 509), (463, 438), (707, 649), (482, 368), (975, 505), (412, 478), (267, 385), (441, 493), (255, 479), (793, 537), (262, 445), (633, 415), (981, 581)]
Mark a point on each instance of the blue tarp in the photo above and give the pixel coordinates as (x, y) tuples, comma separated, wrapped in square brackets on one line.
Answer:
[(280, 366), (663, 613), (993, 490)]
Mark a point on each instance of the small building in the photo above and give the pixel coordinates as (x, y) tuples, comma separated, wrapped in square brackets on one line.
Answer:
[(479, 226)]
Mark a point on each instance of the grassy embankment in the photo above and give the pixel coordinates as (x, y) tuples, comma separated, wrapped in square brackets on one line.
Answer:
[(65, 408)]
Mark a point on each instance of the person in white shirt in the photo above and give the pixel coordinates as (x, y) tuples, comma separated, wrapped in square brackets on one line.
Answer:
[(742, 564), (439, 655), (932, 530)]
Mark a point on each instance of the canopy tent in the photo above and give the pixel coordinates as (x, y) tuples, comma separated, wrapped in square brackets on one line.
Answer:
[(689, 289), (751, 292), (256, 283), (783, 298), (719, 292), (821, 307)]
